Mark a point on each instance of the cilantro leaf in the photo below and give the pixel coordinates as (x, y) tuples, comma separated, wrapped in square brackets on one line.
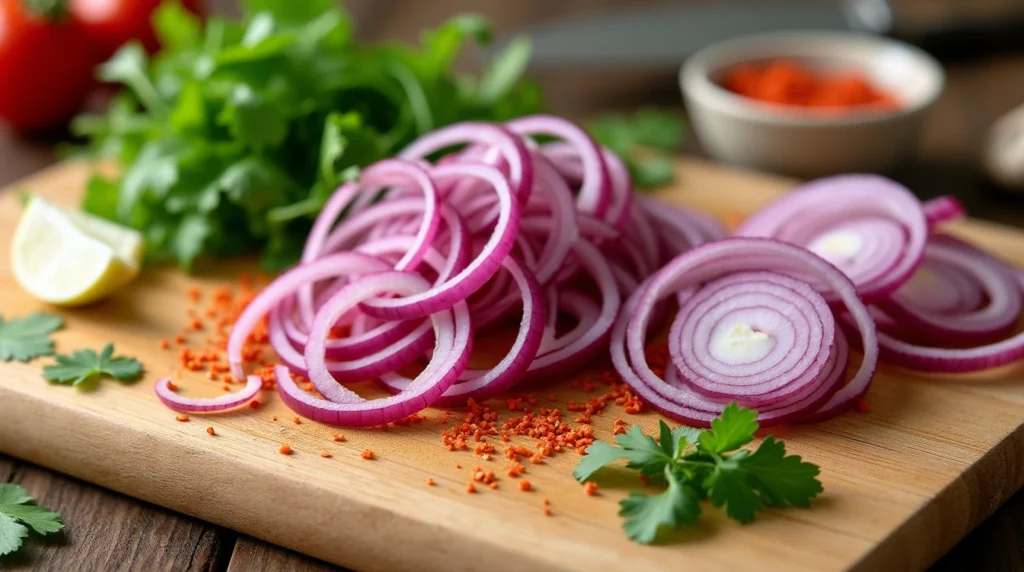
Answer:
[(83, 364), (597, 456), (684, 436), (505, 70), (734, 428), (645, 515), (644, 452), (11, 493), (738, 480), (645, 143), (11, 534), (781, 479), (17, 516), (27, 338)]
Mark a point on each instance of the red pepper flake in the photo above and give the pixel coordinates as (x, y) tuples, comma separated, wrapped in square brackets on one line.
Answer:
[(196, 325), (484, 448), (430, 482), (546, 501), (297, 420), (547, 511), (273, 417), (226, 387), (458, 466), (179, 339), (470, 489), (524, 485), (494, 485), (193, 293), (181, 418), (862, 406), (368, 455), (171, 385), (338, 438), (285, 449), (210, 431), (255, 404), (165, 344), (590, 489), (326, 454)]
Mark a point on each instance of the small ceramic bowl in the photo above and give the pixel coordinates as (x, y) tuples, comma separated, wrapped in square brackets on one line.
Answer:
[(807, 142)]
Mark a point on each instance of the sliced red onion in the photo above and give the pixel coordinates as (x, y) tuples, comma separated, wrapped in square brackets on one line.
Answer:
[(595, 194), (594, 338), (576, 304), (706, 263), (825, 216), (482, 384), (476, 273), (512, 149), (757, 337), (943, 299), (946, 208), (331, 266), (452, 332), (207, 405)]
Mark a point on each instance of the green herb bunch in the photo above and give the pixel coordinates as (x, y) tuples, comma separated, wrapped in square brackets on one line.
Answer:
[(232, 138)]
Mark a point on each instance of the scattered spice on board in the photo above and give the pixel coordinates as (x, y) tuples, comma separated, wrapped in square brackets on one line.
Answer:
[(368, 455), (181, 418), (326, 454), (285, 449), (210, 431)]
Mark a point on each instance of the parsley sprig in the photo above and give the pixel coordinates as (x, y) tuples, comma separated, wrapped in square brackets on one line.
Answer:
[(82, 365), (25, 339), (646, 142), (697, 464), (18, 515)]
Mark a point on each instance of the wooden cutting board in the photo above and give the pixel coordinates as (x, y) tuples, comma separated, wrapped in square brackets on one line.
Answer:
[(903, 481)]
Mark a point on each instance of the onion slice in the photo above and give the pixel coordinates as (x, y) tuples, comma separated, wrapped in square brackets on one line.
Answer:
[(171, 399)]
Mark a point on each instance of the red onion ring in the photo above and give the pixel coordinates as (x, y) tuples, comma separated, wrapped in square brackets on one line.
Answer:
[(825, 213), (207, 405)]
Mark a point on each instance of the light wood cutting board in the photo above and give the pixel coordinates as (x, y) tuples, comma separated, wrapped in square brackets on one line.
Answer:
[(903, 481)]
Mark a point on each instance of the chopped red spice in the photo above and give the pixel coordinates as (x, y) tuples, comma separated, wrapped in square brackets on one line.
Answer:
[(524, 485), (296, 420), (338, 438), (285, 449), (171, 385), (273, 417), (590, 489), (165, 344), (326, 454), (430, 482), (210, 431), (181, 418), (547, 511), (368, 455), (255, 404), (470, 488), (494, 485)]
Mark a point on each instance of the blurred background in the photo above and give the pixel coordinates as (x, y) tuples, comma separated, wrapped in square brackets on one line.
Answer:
[(979, 42)]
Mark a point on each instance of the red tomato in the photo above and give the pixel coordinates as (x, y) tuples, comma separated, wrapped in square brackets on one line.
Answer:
[(111, 23), (46, 69)]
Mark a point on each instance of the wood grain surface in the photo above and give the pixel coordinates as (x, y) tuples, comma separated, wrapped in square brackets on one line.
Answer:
[(904, 482), (977, 92)]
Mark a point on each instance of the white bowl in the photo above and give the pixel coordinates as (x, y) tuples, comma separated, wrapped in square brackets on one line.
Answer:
[(806, 143)]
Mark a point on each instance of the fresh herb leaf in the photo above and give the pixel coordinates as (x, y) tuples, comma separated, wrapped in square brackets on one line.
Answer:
[(740, 481), (645, 142), (80, 366), (734, 428), (27, 338), (645, 515), (17, 516), (231, 138)]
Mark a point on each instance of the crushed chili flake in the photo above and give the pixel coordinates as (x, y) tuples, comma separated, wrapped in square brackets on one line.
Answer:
[(546, 501), (338, 438), (430, 482), (326, 454), (296, 420), (210, 431), (484, 448), (590, 489), (181, 418), (482, 476), (255, 404), (368, 455), (172, 386), (273, 417), (179, 339), (470, 488), (547, 511), (458, 466), (165, 344), (285, 449), (524, 485)]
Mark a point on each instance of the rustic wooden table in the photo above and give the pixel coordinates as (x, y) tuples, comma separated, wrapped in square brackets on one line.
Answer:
[(107, 531)]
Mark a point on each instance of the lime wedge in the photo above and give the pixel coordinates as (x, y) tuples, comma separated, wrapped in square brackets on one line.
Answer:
[(70, 258)]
